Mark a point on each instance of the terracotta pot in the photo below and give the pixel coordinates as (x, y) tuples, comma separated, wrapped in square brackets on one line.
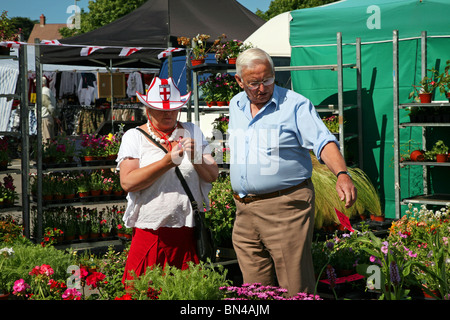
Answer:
[(69, 237), (435, 292), (196, 62), (95, 193), (441, 158), (231, 60), (210, 104), (106, 192), (425, 97), (83, 194), (448, 96), (118, 193), (221, 103), (4, 296), (417, 155), (376, 218), (89, 158), (95, 235), (69, 196), (83, 236)]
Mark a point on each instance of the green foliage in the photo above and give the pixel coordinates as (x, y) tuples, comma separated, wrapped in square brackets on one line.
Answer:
[(220, 218), (27, 256), (198, 282), (277, 7)]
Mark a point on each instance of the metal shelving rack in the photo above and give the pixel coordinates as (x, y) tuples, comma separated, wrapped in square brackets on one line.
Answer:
[(338, 109), (426, 197), (23, 134)]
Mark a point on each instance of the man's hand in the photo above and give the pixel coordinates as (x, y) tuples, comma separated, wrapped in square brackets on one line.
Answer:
[(346, 190)]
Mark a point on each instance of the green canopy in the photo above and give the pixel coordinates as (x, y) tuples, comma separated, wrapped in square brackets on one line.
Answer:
[(313, 42)]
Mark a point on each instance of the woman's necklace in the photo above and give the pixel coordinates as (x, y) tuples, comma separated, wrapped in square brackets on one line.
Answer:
[(163, 138)]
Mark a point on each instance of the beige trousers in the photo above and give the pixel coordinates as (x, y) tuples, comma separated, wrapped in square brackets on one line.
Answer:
[(272, 238), (47, 129)]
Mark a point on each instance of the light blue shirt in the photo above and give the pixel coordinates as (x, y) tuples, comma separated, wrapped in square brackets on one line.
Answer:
[(270, 152)]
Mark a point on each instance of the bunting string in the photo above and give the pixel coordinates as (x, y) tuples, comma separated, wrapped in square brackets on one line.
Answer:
[(87, 50)]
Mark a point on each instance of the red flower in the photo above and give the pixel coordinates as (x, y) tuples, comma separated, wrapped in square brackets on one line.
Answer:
[(126, 296), (94, 278)]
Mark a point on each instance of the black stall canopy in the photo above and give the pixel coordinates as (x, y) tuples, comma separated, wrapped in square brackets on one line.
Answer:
[(154, 27)]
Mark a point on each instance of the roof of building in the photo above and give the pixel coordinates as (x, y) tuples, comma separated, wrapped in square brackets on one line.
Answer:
[(44, 31)]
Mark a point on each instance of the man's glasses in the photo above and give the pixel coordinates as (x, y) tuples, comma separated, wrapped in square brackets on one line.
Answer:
[(256, 84)]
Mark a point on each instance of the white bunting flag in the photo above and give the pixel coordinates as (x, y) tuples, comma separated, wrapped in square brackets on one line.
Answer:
[(125, 52), (89, 50), (51, 42), (168, 52), (12, 44)]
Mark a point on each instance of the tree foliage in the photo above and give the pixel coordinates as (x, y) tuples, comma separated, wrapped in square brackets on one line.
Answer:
[(277, 7), (101, 12)]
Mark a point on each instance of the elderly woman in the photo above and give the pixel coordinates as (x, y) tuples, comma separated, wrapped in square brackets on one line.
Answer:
[(158, 210)]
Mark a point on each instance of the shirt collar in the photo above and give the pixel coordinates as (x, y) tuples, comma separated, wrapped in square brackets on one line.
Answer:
[(244, 100)]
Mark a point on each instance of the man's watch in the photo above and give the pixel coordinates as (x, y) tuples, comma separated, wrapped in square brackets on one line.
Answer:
[(343, 172)]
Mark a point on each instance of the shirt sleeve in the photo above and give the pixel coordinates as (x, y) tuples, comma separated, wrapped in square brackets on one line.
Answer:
[(129, 146), (314, 135)]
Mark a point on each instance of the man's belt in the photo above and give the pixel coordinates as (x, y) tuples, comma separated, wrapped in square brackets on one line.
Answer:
[(251, 198)]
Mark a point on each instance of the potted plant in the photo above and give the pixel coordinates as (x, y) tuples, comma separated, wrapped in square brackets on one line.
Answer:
[(220, 49), (332, 123), (444, 85), (220, 217), (440, 150), (234, 48), (83, 185), (7, 32), (198, 48), (423, 92), (96, 183)]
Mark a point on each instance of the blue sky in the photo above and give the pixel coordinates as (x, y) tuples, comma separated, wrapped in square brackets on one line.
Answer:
[(59, 11)]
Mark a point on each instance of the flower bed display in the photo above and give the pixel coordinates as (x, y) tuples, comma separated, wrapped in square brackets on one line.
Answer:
[(406, 263)]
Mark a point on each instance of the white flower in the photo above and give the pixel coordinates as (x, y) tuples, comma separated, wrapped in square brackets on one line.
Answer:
[(8, 251)]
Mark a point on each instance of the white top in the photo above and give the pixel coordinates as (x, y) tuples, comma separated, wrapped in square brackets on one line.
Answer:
[(164, 203)]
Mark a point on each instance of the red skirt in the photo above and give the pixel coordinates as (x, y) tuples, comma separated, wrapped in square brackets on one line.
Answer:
[(173, 246)]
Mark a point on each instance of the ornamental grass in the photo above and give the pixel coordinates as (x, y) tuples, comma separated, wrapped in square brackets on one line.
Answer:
[(327, 198)]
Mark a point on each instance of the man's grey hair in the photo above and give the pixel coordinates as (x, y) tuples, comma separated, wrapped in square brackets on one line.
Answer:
[(251, 57)]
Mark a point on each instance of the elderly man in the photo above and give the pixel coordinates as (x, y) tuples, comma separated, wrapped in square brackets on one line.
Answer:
[(272, 131)]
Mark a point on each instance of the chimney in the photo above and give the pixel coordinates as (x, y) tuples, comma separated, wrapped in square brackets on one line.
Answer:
[(42, 20)]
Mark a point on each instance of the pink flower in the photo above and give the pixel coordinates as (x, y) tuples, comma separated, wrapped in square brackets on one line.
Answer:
[(71, 294), (20, 286), (46, 269)]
